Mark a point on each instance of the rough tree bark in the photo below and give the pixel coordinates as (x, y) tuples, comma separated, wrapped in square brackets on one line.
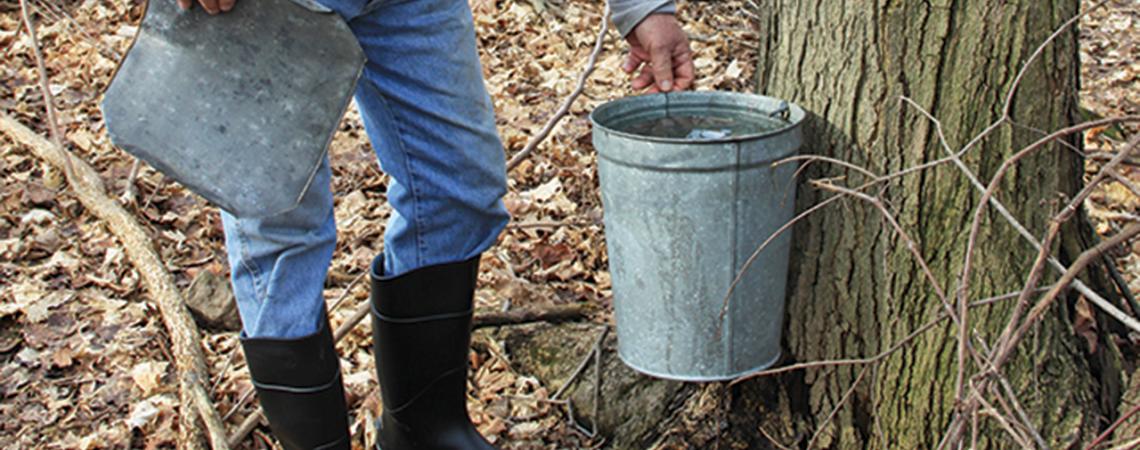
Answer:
[(857, 289)]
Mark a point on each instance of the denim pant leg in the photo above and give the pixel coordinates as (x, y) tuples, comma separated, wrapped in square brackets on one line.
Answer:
[(430, 120), (278, 264)]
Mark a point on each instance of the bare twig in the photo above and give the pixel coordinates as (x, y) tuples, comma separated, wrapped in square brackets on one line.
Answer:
[(1097, 299), (1111, 428), (45, 90), (771, 440), (553, 224), (582, 365), (1130, 445), (523, 154), (842, 401), (1005, 351), (1105, 156), (1043, 254), (347, 290), (62, 14), (129, 191), (1026, 423), (1124, 181), (756, 253), (247, 426), (357, 315), (88, 188), (1037, 54), (1043, 305), (910, 244), (225, 369), (989, 410), (245, 396), (1121, 285), (1005, 117), (877, 357), (1091, 295), (813, 158)]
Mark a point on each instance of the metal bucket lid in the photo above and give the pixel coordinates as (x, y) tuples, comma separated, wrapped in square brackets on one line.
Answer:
[(238, 107)]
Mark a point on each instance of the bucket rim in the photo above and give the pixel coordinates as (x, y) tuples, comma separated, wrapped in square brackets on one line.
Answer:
[(796, 116)]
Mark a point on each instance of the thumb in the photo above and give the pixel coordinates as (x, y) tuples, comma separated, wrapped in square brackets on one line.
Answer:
[(662, 59)]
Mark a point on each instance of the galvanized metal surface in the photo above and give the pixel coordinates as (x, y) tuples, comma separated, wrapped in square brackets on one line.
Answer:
[(238, 107), (681, 219)]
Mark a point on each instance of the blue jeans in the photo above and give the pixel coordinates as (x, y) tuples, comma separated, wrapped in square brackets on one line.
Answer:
[(430, 120)]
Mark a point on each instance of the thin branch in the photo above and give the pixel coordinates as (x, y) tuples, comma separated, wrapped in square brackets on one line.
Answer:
[(952, 158), (1130, 445), (838, 406), (1037, 53), (1005, 425), (1043, 254), (582, 365), (347, 290), (1043, 305), (1026, 422), (88, 188), (1016, 224), (771, 440), (910, 244), (1124, 181), (877, 357), (1111, 428), (1008, 105), (552, 224), (756, 253), (129, 191), (247, 426), (566, 104), (1121, 285), (839, 162), (1004, 352), (45, 90)]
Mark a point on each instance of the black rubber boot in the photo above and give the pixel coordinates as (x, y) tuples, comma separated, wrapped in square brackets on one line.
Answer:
[(299, 385), (421, 331)]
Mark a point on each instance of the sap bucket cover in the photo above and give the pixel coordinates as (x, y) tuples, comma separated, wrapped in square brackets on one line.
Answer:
[(238, 107)]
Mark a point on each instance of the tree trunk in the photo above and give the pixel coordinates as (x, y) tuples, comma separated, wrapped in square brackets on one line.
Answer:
[(856, 287)]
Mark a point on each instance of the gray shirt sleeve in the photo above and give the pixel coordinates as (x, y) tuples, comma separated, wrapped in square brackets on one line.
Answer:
[(628, 13)]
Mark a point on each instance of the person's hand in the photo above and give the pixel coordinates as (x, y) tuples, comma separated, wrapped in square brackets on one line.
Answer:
[(211, 6), (661, 49)]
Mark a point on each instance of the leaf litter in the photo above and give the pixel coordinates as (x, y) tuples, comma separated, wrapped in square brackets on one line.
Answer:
[(84, 359)]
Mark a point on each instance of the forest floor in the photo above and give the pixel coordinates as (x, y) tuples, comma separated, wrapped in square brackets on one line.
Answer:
[(85, 361)]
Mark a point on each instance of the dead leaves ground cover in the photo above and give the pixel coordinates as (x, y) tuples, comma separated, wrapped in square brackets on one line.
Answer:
[(84, 360)]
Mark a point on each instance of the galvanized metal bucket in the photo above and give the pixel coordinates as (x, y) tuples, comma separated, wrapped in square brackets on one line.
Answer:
[(682, 216)]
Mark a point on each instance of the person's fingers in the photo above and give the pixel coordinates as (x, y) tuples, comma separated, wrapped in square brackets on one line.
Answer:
[(632, 62), (226, 5), (643, 79), (185, 4), (211, 6), (683, 71), (662, 62)]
